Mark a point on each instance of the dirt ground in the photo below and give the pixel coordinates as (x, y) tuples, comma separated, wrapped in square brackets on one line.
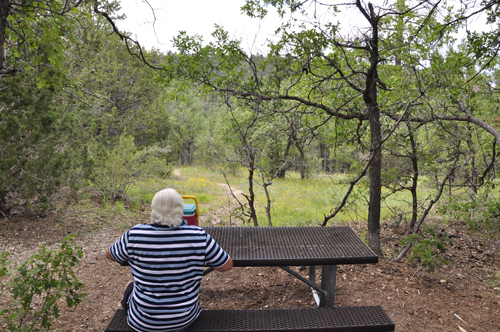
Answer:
[(455, 298)]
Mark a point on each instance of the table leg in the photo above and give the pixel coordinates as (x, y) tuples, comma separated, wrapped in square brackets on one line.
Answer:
[(301, 278), (312, 274), (328, 281), (312, 279)]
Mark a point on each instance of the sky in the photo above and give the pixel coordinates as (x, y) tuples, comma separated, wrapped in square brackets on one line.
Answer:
[(200, 16), (194, 17)]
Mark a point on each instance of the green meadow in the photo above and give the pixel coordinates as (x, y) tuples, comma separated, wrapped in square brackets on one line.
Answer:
[(295, 202)]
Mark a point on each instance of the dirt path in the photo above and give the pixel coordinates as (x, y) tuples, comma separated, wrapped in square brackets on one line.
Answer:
[(230, 191), (216, 217), (178, 174), (417, 302)]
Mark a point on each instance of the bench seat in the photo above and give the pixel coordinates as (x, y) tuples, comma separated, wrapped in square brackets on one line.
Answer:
[(345, 319)]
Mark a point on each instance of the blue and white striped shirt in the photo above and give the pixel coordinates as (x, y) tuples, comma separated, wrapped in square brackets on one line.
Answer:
[(167, 266)]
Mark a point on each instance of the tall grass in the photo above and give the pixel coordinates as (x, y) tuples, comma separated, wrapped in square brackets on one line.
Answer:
[(295, 202)]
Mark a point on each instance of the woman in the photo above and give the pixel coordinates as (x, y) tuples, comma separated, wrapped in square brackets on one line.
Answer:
[(166, 258)]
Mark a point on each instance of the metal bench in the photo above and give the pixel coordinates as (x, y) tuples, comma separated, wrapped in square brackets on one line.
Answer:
[(345, 319)]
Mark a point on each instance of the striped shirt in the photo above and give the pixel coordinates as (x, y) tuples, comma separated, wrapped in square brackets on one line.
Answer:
[(167, 266)]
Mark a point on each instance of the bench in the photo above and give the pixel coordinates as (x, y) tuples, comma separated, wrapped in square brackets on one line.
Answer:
[(345, 319)]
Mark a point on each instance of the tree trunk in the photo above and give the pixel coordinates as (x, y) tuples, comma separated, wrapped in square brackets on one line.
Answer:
[(183, 153), (370, 99), (472, 165), (450, 183), (281, 172), (375, 182), (251, 197), (186, 153), (4, 13), (414, 184), (4, 207), (324, 154), (302, 165), (266, 184)]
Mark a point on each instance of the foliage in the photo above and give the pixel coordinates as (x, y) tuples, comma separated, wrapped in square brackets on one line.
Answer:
[(69, 85), (39, 132), (39, 144), (35, 35), (190, 114), (491, 215), (3, 270), (427, 247), (479, 214), (404, 67), (38, 283), (120, 167), (116, 90)]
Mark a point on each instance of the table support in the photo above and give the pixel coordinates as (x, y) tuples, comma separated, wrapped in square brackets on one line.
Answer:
[(328, 281), (312, 274), (312, 279), (301, 278)]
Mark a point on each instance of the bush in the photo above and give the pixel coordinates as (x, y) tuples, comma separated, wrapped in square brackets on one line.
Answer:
[(38, 283), (116, 170), (427, 247), (479, 214), (38, 145)]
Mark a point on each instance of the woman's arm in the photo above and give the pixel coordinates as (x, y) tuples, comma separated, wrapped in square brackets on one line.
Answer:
[(109, 256), (227, 266)]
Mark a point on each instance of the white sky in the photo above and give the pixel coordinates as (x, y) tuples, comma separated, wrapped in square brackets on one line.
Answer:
[(194, 17), (200, 16)]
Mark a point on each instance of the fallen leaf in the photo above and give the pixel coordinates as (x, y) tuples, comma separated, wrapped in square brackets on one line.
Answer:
[(462, 329)]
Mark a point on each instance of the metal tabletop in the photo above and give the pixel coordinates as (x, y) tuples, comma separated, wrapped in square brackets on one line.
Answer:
[(296, 246), (292, 246)]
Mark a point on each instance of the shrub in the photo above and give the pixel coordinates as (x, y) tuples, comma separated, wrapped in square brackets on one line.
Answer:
[(116, 170), (427, 247), (38, 283), (479, 214)]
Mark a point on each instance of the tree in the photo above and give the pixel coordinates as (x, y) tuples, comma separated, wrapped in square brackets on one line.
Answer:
[(65, 82), (46, 26), (38, 140), (246, 132), (35, 152), (306, 66), (349, 77), (189, 113)]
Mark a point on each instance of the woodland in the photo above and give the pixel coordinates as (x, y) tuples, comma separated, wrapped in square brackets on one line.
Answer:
[(404, 102)]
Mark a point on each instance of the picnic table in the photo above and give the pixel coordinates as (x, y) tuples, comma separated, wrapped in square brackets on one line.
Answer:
[(296, 246), (283, 247)]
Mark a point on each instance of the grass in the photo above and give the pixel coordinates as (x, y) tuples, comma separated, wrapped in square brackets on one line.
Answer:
[(295, 202)]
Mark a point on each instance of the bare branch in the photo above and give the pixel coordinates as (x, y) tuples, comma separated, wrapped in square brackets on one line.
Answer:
[(431, 203)]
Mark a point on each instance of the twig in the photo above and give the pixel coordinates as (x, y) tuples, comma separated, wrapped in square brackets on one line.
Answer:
[(419, 269), (460, 318), (429, 207)]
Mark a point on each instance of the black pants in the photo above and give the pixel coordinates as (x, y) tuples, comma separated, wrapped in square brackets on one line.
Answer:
[(126, 295)]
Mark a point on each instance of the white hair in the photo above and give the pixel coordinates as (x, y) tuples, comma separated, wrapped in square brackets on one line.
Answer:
[(167, 208)]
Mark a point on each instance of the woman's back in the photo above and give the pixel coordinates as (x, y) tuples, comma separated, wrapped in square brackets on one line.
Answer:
[(167, 265)]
